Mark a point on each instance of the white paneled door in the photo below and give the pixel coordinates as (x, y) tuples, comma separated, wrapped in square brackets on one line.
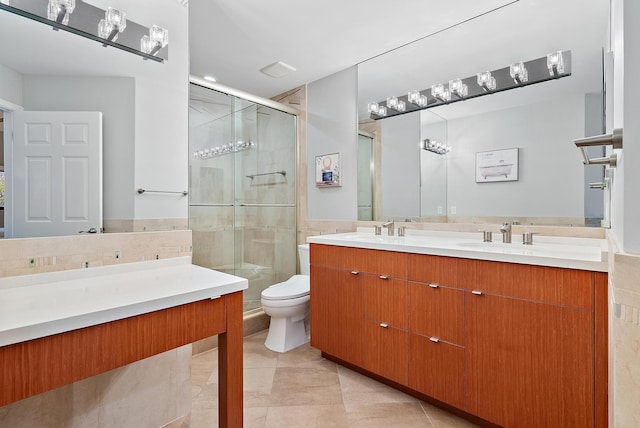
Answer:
[(56, 173)]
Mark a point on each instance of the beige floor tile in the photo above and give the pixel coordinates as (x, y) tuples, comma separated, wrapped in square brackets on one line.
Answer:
[(441, 419), (320, 416), (387, 415), (305, 357), (358, 389), (302, 386), (256, 355), (257, 386)]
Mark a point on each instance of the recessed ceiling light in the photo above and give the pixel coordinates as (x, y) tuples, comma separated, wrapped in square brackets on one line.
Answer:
[(210, 78), (277, 69)]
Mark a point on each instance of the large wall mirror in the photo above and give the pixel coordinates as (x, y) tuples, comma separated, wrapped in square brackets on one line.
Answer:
[(143, 105), (540, 121)]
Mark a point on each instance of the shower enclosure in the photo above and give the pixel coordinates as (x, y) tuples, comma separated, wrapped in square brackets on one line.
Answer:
[(242, 189)]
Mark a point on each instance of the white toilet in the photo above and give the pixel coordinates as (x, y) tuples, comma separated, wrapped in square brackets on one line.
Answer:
[(287, 303)]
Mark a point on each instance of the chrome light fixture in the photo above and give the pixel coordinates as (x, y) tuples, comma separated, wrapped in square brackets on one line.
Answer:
[(59, 11), (157, 39), (458, 88), (114, 22), (224, 149), (415, 97), (486, 81), (434, 146), (516, 75), (439, 92), (555, 63), (518, 72)]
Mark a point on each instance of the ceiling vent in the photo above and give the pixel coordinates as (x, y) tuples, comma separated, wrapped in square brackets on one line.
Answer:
[(277, 69)]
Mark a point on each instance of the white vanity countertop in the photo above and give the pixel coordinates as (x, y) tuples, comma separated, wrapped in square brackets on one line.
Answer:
[(575, 253), (39, 305)]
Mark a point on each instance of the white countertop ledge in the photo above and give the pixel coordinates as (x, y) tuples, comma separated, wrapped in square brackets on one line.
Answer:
[(573, 253), (39, 305)]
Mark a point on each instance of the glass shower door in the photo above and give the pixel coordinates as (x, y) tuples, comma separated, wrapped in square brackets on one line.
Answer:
[(242, 208)]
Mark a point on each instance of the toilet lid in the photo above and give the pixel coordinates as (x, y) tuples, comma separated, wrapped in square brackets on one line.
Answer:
[(296, 286)]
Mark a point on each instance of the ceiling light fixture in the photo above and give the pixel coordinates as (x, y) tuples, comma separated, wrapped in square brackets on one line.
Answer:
[(114, 22), (519, 73), (59, 11), (157, 39)]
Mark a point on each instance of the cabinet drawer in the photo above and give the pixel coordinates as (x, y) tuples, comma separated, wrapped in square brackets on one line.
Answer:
[(386, 352), (567, 287), (437, 370), (436, 311), (447, 271), (390, 263), (385, 300)]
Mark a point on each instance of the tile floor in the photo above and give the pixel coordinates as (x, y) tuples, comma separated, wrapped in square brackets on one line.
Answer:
[(301, 389)]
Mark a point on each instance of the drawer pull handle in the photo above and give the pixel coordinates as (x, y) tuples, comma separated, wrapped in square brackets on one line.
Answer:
[(384, 325), (433, 285), (384, 277), (355, 272), (434, 339), (477, 293)]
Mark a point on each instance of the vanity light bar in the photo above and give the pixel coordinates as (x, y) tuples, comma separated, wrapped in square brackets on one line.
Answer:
[(549, 67), (224, 149), (434, 146)]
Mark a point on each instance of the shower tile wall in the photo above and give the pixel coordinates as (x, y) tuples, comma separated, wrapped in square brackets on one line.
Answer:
[(241, 225)]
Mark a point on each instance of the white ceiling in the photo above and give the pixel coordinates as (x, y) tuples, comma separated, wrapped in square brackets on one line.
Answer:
[(232, 39)]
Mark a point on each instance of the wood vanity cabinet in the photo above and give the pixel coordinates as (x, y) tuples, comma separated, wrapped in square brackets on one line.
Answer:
[(516, 345), (436, 314), (530, 346)]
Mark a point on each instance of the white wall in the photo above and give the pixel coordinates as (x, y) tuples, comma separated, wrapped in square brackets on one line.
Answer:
[(333, 127), (10, 85), (550, 167), (115, 98), (400, 165)]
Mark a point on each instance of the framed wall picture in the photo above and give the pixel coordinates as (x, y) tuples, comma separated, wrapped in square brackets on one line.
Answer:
[(497, 165), (328, 170)]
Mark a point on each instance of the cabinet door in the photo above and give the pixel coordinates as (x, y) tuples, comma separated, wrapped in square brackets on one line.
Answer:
[(529, 364), (436, 368), (336, 313), (385, 300), (386, 351), (436, 311)]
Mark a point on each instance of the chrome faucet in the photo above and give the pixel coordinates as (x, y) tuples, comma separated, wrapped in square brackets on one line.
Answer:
[(506, 233), (389, 226)]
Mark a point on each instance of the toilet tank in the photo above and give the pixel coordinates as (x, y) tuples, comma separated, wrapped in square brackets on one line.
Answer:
[(303, 256)]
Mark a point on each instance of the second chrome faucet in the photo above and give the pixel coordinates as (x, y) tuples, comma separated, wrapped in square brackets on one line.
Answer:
[(505, 229)]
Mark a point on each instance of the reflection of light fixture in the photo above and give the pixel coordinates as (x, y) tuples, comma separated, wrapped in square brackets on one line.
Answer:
[(397, 105), (5, 2), (224, 149), (518, 72), (458, 88), (59, 10), (438, 91), (415, 97), (157, 39), (209, 78), (435, 146), (555, 63), (487, 81), (114, 22)]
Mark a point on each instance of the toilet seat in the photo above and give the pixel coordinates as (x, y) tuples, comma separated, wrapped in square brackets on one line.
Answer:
[(293, 288)]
